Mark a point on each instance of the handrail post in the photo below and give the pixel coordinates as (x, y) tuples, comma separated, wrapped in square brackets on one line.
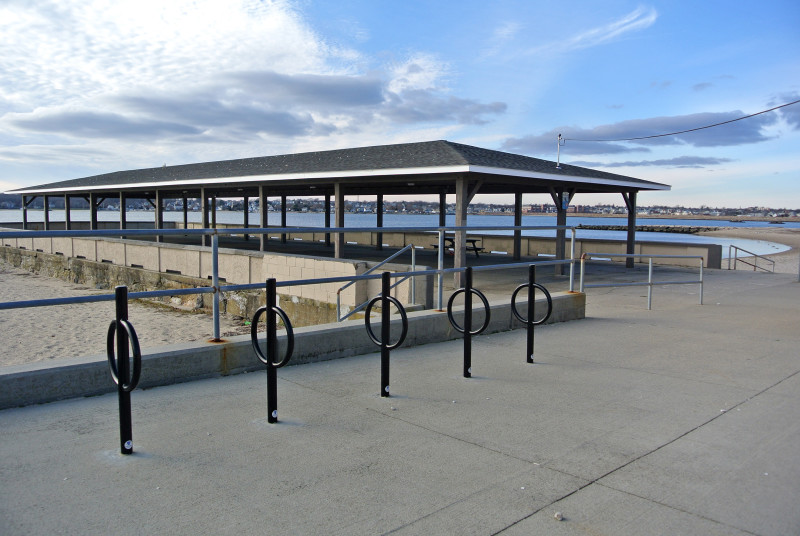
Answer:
[(729, 256), (583, 269), (572, 262), (413, 280), (215, 282), (701, 281), (650, 284), (440, 276)]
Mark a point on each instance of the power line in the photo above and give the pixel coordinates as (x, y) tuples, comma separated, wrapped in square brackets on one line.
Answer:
[(689, 130)]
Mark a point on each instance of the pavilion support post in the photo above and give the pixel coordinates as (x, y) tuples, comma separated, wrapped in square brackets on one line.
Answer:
[(204, 210), (283, 218), (442, 209), (630, 202), (123, 213), (263, 214), (338, 207), (517, 223), (214, 212), (46, 212), (67, 213), (379, 209), (159, 223), (460, 253), (246, 216), (93, 211), (25, 201), (561, 220), (185, 201), (327, 219)]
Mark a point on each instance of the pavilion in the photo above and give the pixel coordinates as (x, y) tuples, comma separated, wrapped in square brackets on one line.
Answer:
[(434, 167)]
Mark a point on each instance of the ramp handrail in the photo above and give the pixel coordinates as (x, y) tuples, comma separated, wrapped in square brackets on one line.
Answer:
[(754, 264), (340, 318), (649, 283)]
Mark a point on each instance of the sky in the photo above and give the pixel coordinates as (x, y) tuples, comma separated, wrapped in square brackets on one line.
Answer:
[(95, 86)]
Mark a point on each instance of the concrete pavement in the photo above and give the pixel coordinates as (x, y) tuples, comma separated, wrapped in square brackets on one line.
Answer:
[(679, 420)]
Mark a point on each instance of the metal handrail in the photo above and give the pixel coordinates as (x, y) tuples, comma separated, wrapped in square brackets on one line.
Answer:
[(340, 318), (649, 283), (753, 264)]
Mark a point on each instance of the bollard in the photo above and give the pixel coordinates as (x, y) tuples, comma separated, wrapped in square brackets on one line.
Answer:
[(119, 363)]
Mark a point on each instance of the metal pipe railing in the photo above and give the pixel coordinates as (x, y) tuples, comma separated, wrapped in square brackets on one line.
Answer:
[(649, 283), (341, 318), (754, 264)]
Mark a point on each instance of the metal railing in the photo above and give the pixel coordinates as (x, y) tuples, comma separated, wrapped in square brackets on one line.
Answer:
[(340, 318), (216, 289), (736, 249), (649, 283)]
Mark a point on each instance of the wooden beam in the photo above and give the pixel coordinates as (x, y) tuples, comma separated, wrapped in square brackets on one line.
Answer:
[(517, 223), (338, 208), (630, 248), (379, 214), (263, 214), (460, 253)]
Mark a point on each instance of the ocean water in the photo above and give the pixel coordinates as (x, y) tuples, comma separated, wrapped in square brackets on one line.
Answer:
[(316, 219)]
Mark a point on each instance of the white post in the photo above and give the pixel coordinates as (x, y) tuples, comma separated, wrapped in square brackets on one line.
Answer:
[(572, 263), (413, 279), (701, 281)]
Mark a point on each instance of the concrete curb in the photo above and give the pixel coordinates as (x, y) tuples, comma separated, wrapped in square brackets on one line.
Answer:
[(22, 385)]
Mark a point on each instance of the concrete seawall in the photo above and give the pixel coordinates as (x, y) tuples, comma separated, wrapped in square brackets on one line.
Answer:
[(22, 385)]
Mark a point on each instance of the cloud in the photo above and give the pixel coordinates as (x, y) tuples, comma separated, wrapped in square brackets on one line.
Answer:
[(501, 36), (637, 20), (790, 114), (679, 162), (615, 138), (91, 124), (702, 86)]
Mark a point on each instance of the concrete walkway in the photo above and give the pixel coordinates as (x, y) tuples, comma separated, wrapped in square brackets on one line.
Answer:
[(679, 420)]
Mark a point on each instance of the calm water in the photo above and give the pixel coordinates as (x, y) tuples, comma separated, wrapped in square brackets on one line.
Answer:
[(316, 219)]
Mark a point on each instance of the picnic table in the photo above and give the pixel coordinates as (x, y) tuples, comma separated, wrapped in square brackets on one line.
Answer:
[(472, 244)]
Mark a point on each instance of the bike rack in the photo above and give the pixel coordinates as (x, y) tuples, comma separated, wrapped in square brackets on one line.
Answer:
[(125, 379), (531, 285), (272, 311), (467, 329), (385, 300)]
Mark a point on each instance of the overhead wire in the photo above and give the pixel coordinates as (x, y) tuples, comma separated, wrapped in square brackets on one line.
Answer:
[(688, 130)]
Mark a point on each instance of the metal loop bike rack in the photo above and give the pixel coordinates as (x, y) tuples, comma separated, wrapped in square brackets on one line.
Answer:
[(486, 307), (529, 322), (533, 287), (385, 298), (403, 318), (125, 384), (272, 312), (122, 335), (262, 356)]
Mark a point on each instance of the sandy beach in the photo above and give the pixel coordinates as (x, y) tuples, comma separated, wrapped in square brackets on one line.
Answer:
[(45, 333)]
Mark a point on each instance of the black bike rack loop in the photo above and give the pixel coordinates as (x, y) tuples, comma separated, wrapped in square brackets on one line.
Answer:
[(121, 332), (272, 311), (486, 307), (126, 384), (385, 298), (529, 322), (264, 358), (467, 330), (403, 318)]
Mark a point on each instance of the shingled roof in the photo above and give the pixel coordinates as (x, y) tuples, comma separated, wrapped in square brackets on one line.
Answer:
[(381, 163)]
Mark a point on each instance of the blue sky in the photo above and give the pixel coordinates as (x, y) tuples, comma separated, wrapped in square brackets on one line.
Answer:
[(94, 86)]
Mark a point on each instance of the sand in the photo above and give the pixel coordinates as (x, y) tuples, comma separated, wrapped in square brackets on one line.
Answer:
[(47, 333)]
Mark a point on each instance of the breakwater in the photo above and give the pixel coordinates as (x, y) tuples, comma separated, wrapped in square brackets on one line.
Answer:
[(678, 229)]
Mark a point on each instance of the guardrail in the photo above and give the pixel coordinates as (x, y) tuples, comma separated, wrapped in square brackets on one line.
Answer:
[(340, 318), (754, 264), (216, 289), (649, 283)]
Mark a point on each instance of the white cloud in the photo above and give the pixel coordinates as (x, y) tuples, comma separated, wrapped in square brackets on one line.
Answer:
[(638, 19)]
